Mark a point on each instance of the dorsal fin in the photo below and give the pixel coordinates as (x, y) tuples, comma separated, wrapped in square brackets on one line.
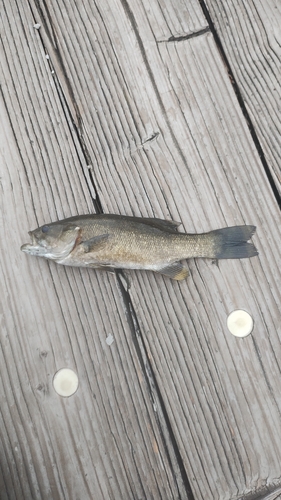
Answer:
[(170, 226)]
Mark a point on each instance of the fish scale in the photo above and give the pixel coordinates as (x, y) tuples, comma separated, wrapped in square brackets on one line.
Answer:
[(109, 241)]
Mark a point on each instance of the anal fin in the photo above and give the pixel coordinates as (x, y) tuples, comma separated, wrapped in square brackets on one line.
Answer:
[(175, 271), (102, 267)]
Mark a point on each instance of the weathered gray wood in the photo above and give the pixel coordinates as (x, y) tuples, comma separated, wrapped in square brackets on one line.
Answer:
[(251, 38), (164, 136), (265, 493), (105, 441), (201, 167)]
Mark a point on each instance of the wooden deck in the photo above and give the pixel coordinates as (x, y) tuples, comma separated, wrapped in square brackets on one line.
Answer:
[(168, 109)]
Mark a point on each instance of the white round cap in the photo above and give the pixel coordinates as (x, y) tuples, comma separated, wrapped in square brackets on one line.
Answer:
[(65, 382), (240, 323)]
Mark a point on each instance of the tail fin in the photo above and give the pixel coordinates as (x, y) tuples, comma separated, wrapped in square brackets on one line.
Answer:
[(232, 242)]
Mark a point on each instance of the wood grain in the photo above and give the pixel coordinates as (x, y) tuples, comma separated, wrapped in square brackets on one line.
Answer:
[(200, 165), (251, 39), (143, 117), (105, 441)]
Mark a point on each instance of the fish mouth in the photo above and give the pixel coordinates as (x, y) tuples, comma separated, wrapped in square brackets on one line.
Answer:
[(33, 248), (29, 248), (26, 247)]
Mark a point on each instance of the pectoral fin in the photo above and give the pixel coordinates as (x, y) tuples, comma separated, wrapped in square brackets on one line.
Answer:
[(96, 243), (175, 271)]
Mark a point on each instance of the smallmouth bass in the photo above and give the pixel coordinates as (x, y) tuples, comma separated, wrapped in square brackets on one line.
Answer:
[(107, 241)]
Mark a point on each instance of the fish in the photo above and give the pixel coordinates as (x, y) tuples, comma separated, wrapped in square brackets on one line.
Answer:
[(110, 241)]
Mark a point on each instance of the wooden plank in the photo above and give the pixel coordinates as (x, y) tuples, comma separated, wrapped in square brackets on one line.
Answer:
[(168, 143), (105, 441), (251, 39), (161, 141), (168, 21)]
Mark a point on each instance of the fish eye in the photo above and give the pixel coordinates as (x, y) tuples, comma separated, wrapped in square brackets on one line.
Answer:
[(45, 229)]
